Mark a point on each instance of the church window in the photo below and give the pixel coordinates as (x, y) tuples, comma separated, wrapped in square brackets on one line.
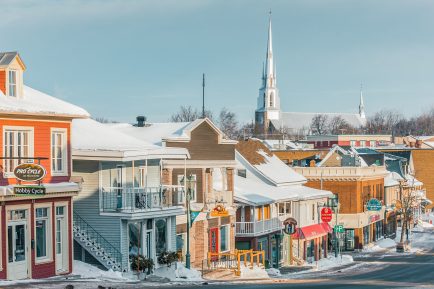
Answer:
[(271, 100)]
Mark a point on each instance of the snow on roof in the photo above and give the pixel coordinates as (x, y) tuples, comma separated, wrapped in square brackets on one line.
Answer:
[(153, 133), (392, 179), (90, 135), (39, 103), (256, 190), (274, 144), (412, 181)]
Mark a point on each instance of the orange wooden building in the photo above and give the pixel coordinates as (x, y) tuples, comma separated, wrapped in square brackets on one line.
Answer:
[(35, 215)]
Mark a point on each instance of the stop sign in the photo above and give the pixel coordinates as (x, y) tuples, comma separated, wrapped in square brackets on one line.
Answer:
[(326, 214)]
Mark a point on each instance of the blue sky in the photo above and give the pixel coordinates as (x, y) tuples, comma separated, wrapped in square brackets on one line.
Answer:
[(119, 59)]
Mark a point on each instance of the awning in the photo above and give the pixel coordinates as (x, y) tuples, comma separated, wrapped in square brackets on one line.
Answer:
[(312, 231)]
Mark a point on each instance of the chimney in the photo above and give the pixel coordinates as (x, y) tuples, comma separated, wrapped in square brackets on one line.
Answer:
[(418, 144), (141, 121)]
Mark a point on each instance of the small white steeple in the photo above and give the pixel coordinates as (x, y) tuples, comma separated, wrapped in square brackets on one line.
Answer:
[(362, 104)]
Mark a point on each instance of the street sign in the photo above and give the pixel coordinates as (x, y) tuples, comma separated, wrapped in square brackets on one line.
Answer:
[(29, 190), (326, 215), (339, 229), (373, 205), (29, 172), (289, 226)]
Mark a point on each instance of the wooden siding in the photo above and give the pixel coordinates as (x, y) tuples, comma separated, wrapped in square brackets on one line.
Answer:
[(423, 161), (3, 81), (289, 156), (41, 148), (86, 204), (203, 145)]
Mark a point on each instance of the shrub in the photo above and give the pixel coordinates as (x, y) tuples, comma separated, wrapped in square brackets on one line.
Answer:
[(167, 258), (142, 264)]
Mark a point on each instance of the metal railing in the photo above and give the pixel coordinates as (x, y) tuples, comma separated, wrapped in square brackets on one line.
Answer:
[(258, 227), (128, 199), (97, 241)]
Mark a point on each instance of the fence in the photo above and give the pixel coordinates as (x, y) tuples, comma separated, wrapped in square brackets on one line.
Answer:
[(233, 261)]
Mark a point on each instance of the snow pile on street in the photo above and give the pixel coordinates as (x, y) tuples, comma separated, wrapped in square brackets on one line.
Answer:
[(332, 261), (273, 272), (423, 226), (255, 273), (380, 245), (88, 271), (178, 272)]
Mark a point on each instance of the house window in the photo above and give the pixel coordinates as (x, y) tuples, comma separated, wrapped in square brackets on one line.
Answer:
[(353, 143), (143, 171), (362, 143), (16, 144), (58, 152), (373, 144), (224, 238), (193, 191), (258, 213), (267, 212), (12, 83), (313, 212), (42, 227), (160, 236)]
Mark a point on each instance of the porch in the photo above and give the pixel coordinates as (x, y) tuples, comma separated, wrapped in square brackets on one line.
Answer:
[(256, 228)]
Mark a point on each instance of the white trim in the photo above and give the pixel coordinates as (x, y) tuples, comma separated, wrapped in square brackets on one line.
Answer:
[(228, 238), (68, 231), (49, 234), (64, 137), (31, 131)]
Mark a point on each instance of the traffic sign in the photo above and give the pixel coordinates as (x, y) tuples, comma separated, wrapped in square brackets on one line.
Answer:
[(326, 214), (373, 205), (339, 229)]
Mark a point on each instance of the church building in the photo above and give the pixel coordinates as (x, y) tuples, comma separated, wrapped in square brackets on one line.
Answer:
[(269, 118)]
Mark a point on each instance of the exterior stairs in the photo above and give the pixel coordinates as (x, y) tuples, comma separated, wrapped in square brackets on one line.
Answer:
[(96, 245)]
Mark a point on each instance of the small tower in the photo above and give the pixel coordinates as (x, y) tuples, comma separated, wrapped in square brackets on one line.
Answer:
[(362, 104), (268, 106)]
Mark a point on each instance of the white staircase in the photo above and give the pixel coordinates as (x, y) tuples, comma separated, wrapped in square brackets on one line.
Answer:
[(96, 245)]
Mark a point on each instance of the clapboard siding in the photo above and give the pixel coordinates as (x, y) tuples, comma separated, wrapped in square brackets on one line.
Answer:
[(86, 204)]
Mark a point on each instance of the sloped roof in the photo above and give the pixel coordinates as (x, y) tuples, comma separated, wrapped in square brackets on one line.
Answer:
[(35, 102), (302, 120), (6, 59)]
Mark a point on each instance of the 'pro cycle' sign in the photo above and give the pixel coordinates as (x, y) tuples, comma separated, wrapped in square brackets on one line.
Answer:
[(29, 172)]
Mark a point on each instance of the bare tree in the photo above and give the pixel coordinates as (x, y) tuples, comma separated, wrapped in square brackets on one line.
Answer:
[(188, 113), (228, 123), (104, 120), (408, 200), (384, 121), (338, 125), (318, 124)]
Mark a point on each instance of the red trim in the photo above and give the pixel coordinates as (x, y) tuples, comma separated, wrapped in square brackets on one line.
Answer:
[(311, 232)]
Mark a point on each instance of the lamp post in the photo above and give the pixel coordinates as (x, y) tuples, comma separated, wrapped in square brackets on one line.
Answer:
[(190, 182), (334, 203)]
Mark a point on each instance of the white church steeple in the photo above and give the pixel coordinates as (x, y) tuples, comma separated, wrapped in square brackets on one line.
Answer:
[(268, 99), (362, 104)]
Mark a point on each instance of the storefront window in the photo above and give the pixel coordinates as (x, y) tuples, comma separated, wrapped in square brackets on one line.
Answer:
[(310, 247), (160, 236), (224, 238), (180, 245), (42, 221), (349, 239), (378, 230), (366, 237), (134, 239)]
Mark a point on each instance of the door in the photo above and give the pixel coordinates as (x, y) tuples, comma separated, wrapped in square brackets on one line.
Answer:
[(17, 251), (214, 241), (61, 241)]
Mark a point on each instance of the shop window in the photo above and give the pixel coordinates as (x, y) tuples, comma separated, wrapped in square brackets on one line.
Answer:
[(58, 152), (17, 143), (134, 232), (258, 213), (181, 245), (267, 212), (160, 236), (42, 228), (224, 238)]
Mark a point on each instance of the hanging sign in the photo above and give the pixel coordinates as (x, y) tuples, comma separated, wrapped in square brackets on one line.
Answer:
[(326, 214), (219, 211), (193, 216), (373, 205), (29, 172), (289, 226)]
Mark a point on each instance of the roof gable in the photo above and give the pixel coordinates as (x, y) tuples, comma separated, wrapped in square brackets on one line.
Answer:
[(7, 58)]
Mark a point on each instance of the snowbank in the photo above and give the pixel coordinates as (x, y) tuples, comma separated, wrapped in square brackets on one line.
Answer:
[(255, 273), (380, 245), (88, 271), (273, 272), (178, 272), (332, 261)]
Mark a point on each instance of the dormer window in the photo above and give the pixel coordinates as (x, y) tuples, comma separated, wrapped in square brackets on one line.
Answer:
[(13, 83)]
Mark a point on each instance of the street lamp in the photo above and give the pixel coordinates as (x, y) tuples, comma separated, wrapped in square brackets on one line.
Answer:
[(190, 184), (333, 202)]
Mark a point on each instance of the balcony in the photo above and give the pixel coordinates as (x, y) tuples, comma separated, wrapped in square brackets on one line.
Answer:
[(139, 200), (251, 229), (317, 173)]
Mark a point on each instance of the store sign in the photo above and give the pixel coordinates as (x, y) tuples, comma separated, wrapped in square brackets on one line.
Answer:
[(339, 229), (373, 205), (29, 190), (289, 226), (326, 215), (219, 211), (29, 172)]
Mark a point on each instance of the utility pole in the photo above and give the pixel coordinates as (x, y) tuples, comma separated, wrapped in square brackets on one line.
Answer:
[(203, 95)]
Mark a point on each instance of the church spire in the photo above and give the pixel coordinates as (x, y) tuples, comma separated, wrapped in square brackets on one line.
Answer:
[(362, 104), (269, 62)]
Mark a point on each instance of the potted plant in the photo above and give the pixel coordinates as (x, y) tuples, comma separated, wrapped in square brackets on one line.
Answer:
[(142, 264), (167, 258)]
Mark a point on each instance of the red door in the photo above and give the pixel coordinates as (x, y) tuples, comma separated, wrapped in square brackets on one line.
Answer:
[(214, 241)]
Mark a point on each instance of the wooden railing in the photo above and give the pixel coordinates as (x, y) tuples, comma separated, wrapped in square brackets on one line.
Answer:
[(233, 260)]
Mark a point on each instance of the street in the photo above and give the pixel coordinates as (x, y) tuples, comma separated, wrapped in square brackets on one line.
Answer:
[(370, 270)]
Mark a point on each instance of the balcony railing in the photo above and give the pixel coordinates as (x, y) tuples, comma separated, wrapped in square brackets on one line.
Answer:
[(258, 227), (131, 200)]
